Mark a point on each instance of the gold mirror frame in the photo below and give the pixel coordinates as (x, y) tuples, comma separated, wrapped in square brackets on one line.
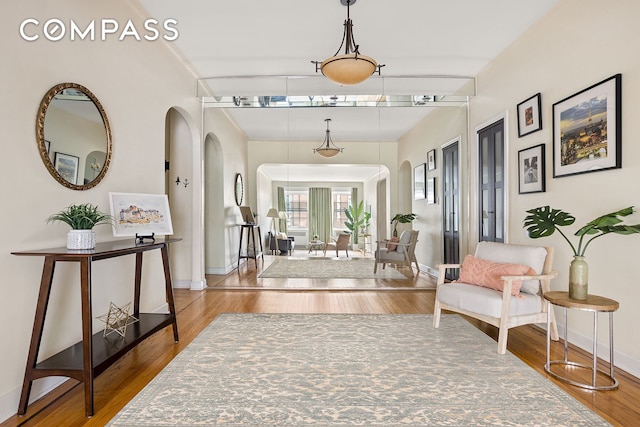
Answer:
[(239, 189), (42, 148)]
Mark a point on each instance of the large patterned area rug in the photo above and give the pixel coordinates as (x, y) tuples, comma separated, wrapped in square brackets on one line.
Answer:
[(326, 268), (346, 370)]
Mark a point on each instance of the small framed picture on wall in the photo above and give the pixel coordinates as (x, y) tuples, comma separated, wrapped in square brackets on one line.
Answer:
[(419, 177), (431, 160), (531, 170), (529, 118), (431, 191)]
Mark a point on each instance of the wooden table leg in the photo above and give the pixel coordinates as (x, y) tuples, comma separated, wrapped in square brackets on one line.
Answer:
[(169, 289), (240, 246), (36, 334), (87, 333), (253, 242), (136, 287)]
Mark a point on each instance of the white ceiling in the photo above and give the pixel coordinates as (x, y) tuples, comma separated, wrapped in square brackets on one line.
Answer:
[(281, 38)]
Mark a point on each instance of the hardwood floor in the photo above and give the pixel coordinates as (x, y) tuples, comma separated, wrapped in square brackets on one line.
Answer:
[(196, 309)]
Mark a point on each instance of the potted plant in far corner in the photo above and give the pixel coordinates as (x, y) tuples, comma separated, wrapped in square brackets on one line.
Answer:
[(544, 221), (81, 218), (401, 218)]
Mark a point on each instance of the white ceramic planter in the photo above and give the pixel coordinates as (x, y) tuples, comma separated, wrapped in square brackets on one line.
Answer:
[(81, 239)]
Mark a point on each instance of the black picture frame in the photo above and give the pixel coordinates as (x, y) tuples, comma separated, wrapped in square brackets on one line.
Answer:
[(431, 191), (529, 115), (419, 180), (67, 166), (587, 129), (431, 160), (531, 170)]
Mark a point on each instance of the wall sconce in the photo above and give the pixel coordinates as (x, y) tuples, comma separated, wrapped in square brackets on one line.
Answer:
[(185, 182)]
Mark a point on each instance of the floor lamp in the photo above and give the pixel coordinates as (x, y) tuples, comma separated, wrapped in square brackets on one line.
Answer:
[(273, 214)]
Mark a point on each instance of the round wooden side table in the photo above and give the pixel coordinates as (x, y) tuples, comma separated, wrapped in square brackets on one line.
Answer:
[(595, 304)]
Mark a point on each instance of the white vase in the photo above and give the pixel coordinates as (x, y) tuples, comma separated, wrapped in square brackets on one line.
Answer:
[(81, 239)]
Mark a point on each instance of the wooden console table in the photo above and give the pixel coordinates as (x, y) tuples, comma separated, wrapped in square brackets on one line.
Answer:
[(90, 357)]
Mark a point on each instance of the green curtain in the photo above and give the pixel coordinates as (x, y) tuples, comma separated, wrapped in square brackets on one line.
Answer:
[(282, 207), (354, 203), (320, 213)]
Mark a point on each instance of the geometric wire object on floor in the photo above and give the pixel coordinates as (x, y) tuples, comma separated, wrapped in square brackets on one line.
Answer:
[(117, 319)]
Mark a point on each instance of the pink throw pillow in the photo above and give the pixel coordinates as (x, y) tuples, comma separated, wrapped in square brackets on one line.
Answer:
[(390, 245), (481, 272)]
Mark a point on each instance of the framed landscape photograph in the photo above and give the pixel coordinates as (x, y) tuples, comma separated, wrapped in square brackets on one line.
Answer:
[(142, 214), (531, 170), (587, 130), (419, 178), (529, 118), (67, 166), (431, 160), (431, 191)]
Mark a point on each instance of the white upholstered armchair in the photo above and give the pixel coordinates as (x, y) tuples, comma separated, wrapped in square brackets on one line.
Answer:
[(502, 285), (400, 253)]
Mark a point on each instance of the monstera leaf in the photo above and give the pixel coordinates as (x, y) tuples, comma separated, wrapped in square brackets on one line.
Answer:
[(608, 224), (544, 221)]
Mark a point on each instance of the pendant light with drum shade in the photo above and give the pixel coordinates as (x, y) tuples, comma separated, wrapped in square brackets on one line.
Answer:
[(351, 67)]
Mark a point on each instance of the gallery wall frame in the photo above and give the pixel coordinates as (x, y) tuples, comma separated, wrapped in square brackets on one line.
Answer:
[(587, 135), (529, 115), (431, 191), (531, 170), (419, 180), (67, 166), (431, 160), (137, 213)]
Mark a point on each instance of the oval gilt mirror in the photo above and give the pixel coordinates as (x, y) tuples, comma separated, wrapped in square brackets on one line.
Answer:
[(239, 189), (74, 137)]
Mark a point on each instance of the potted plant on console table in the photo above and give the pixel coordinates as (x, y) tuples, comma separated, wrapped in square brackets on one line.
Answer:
[(544, 221), (81, 218)]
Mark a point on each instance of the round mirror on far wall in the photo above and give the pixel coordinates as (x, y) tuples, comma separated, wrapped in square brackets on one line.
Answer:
[(73, 135), (239, 189)]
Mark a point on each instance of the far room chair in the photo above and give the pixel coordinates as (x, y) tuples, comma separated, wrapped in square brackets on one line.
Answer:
[(399, 253), (502, 285), (341, 244)]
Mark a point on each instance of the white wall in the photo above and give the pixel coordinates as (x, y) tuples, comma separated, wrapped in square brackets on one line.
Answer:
[(579, 43), (438, 128), (125, 76)]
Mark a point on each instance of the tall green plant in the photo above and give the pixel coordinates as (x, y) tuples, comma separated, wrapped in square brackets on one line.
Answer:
[(355, 219), (401, 218), (544, 221)]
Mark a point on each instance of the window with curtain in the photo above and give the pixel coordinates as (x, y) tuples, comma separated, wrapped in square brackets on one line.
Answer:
[(341, 200), (320, 212), (297, 208)]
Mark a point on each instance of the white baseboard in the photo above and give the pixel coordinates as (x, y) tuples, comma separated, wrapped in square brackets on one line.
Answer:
[(9, 402), (428, 270), (190, 284), (621, 360), (223, 271), (181, 284)]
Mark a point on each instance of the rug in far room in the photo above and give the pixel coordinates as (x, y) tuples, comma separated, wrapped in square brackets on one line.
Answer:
[(327, 268), (347, 370)]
